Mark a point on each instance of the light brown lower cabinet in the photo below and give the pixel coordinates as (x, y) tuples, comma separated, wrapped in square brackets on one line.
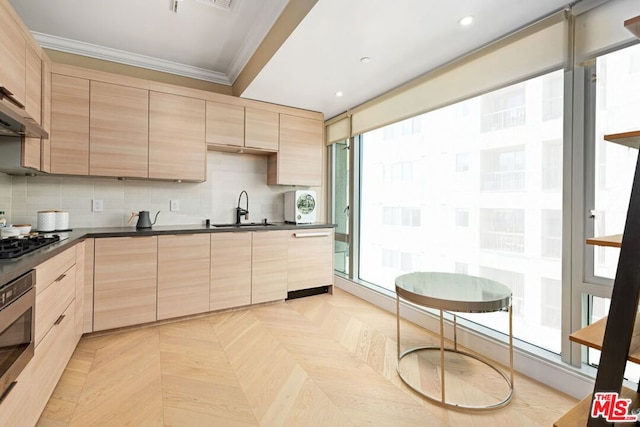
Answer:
[(230, 270), (183, 275), (125, 277), (56, 337), (310, 260), (269, 265)]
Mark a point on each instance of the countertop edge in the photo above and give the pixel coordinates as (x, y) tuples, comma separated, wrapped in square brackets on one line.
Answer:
[(9, 270)]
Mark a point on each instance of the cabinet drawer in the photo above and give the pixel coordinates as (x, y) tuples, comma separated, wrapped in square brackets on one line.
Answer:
[(52, 302), (35, 384), (49, 271), (49, 361)]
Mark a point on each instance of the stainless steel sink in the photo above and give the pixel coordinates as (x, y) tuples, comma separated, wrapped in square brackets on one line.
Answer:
[(245, 224)]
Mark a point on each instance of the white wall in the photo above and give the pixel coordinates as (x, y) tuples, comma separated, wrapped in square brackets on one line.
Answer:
[(227, 175)]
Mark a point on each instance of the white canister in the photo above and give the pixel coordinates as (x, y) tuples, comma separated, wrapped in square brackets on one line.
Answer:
[(62, 220), (46, 221)]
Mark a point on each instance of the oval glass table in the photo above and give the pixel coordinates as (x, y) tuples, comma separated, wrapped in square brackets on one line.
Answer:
[(452, 292)]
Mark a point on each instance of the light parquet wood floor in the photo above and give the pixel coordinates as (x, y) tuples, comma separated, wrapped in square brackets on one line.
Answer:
[(326, 360)]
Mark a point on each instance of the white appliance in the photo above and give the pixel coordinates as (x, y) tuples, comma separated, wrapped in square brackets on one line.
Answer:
[(300, 206)]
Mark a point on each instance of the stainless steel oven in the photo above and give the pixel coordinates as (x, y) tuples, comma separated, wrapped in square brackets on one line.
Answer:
[(17, 318)]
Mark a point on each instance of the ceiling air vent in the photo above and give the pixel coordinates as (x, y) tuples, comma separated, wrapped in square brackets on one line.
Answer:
[(220, 4)]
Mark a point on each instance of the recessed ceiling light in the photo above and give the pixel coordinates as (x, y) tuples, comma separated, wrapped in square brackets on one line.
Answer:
[(467, 20), (365, 60), (339, 94)]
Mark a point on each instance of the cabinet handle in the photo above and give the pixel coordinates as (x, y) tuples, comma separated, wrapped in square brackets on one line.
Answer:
[(62, 276), (319, 234), (59, 319), (7, 391)]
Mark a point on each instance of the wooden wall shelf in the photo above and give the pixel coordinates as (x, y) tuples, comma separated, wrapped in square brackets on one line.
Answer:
[(593, 335), (633, 25), (614, 241), (629, 139)]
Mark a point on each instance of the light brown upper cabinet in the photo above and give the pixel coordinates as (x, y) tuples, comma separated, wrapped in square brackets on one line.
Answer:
[(119, 131), (225, 124), (262, 129), (69, 139), (12, 58), (299, 159), (243, 127), (177, 148), (31, 147)]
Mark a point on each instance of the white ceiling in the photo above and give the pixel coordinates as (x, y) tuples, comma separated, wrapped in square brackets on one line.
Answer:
[(404, 39)]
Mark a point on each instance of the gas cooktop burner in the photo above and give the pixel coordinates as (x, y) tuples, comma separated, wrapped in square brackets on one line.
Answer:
[(14, 247)]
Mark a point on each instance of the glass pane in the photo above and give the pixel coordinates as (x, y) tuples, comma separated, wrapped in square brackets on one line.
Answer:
[(340, 214), (475, 187), (598, 308), (618, 76)]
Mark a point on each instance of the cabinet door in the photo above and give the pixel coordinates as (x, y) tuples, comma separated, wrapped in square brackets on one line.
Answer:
[(262, 129), (183, 275), (299, 159), (177, 148), (125, 273), (119, 131), (69, 139), (230, 270), (45, 153), (33, 91), (269, 266), (12, 58), (310, 261), (225, 124)]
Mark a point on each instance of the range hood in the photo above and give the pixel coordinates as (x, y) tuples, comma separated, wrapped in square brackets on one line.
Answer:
[(11, 157), (15, 121)]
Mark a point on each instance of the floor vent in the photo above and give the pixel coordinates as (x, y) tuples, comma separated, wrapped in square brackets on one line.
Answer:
[(307, 292)]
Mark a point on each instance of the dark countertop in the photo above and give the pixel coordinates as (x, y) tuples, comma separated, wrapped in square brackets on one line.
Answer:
[(11, 269)]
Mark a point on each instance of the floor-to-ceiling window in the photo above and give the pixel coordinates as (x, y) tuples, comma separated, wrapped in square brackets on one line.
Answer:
[(475, 187), (616, 79)]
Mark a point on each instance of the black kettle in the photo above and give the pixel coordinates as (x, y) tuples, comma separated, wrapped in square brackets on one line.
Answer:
[(144, 221)]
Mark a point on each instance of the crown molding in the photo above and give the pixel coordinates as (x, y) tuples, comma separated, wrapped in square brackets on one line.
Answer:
[(114, 55), (255, 37)]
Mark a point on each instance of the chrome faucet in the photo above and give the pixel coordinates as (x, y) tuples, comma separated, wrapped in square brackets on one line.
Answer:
[(239, 210)]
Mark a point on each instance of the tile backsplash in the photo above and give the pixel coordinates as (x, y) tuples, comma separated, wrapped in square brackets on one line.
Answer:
[(227, 175)]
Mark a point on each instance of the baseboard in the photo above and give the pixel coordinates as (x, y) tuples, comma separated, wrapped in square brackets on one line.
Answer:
[(554, 373)]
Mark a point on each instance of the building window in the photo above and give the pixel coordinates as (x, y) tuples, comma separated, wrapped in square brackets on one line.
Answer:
[(552, 96), (550, 302), (398, 172), (462, 217), (397, 260), (515, 282), (552, 165), (504, 109), (463, 162), (551, 233), (408, 217), (502, 230), (503, 169)]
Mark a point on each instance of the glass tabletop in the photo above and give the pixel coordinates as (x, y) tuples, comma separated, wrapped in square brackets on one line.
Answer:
[(453, 292)]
